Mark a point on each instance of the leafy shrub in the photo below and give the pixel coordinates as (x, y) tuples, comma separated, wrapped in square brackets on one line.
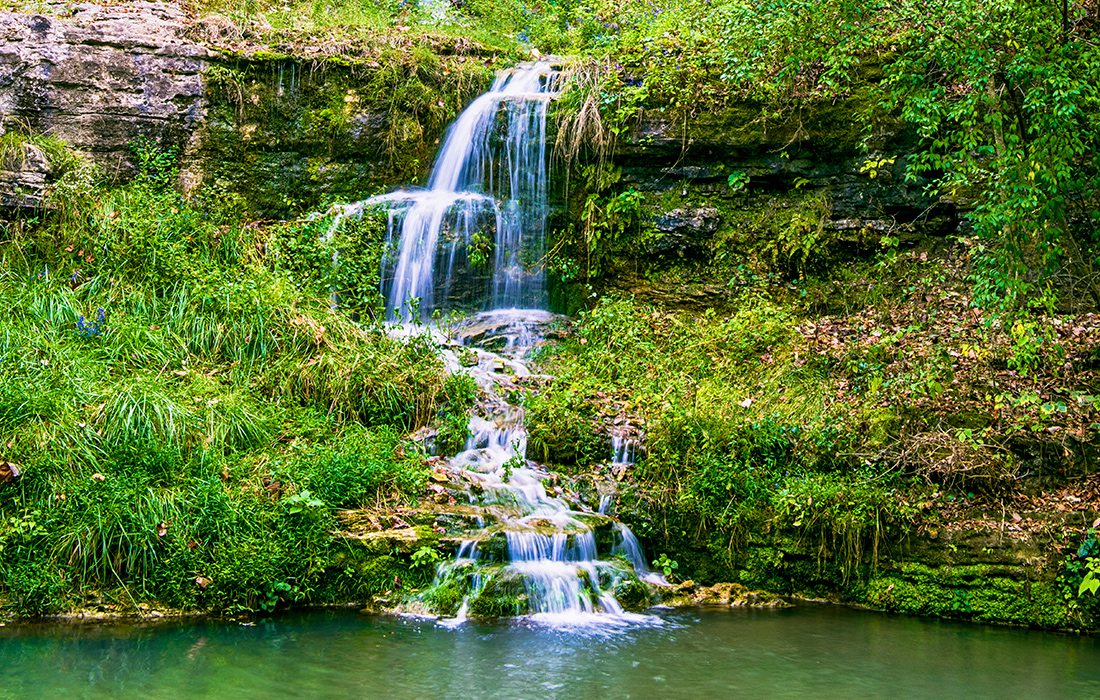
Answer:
[(459, 394)]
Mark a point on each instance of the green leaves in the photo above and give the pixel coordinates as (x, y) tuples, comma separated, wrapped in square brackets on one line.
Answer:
[(1007, 110), (425, 558), (1004, 98), (302, 501), (1090, 583), (666, 565), (738, 180)]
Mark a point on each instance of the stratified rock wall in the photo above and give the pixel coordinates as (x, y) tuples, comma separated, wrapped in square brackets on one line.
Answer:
[(98, 77)]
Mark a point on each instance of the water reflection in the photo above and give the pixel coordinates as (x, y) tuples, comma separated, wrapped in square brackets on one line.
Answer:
[(819, 652)]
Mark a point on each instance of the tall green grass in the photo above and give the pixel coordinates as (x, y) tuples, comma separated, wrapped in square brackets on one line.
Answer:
[(167, 385)]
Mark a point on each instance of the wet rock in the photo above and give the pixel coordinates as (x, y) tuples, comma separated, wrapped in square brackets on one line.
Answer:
[(684, 229), (732, 595), (633, 594), (504, 595)]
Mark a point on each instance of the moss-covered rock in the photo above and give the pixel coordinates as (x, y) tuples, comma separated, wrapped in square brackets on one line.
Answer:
[(284, 134)]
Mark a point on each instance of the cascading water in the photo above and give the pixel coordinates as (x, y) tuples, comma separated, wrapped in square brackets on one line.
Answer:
[(531, 549), (477, 232), (624, 450)]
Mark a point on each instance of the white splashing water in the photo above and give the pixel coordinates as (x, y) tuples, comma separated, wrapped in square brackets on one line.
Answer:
[(478, 231), (624, 452)]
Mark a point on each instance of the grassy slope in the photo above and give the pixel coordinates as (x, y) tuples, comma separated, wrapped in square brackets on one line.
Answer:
[(187, 412), (842, 414)]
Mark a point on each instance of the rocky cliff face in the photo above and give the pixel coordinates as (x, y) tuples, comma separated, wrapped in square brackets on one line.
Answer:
[(791, 193), (98, 77), (280, 122), (749, 150)]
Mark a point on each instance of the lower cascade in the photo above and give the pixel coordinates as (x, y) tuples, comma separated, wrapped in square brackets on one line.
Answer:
[(523, 547)]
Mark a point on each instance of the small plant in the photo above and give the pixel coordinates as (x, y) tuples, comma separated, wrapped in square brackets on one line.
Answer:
[(276, 592), (481, 251), (666, 565), (877, 166), (20, 529), (1031, 345), (303, 501), (425, 558), (1091, 581), (738, 180), (514, 462), (1088, 563), (156, 166), (960, 601), (412, 309)]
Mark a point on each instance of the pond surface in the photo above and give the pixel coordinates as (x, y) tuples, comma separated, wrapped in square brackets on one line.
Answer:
[(799, 652)]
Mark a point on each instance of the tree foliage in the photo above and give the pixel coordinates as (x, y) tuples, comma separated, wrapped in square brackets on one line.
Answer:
[(1001, 96)]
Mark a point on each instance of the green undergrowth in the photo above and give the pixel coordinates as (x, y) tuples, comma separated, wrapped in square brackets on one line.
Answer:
[(730, 445), (188, 408), (802, 437)]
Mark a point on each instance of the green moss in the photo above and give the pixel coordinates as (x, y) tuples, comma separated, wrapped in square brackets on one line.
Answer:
[(288, 135), (377, 574), (446, 598), (969, 592), (632, 594), (504, 595), (828, 126)]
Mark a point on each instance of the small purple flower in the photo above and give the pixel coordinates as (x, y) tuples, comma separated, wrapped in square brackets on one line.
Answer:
[(91, 330)]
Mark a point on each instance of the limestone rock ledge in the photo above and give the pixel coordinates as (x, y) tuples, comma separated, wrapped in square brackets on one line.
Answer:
[(99, 76), (733, 595)]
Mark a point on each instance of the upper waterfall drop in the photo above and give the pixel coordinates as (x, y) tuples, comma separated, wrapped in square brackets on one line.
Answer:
[(477, 234)]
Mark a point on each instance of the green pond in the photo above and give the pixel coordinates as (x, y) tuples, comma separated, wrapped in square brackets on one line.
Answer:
[(799, 652)]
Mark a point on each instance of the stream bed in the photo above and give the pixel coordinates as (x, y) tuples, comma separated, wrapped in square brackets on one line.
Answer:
[(805, 651)]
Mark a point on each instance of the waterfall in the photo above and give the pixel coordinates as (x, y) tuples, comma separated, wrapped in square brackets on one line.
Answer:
[(475, 236), (622, 450), (477, 233)]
